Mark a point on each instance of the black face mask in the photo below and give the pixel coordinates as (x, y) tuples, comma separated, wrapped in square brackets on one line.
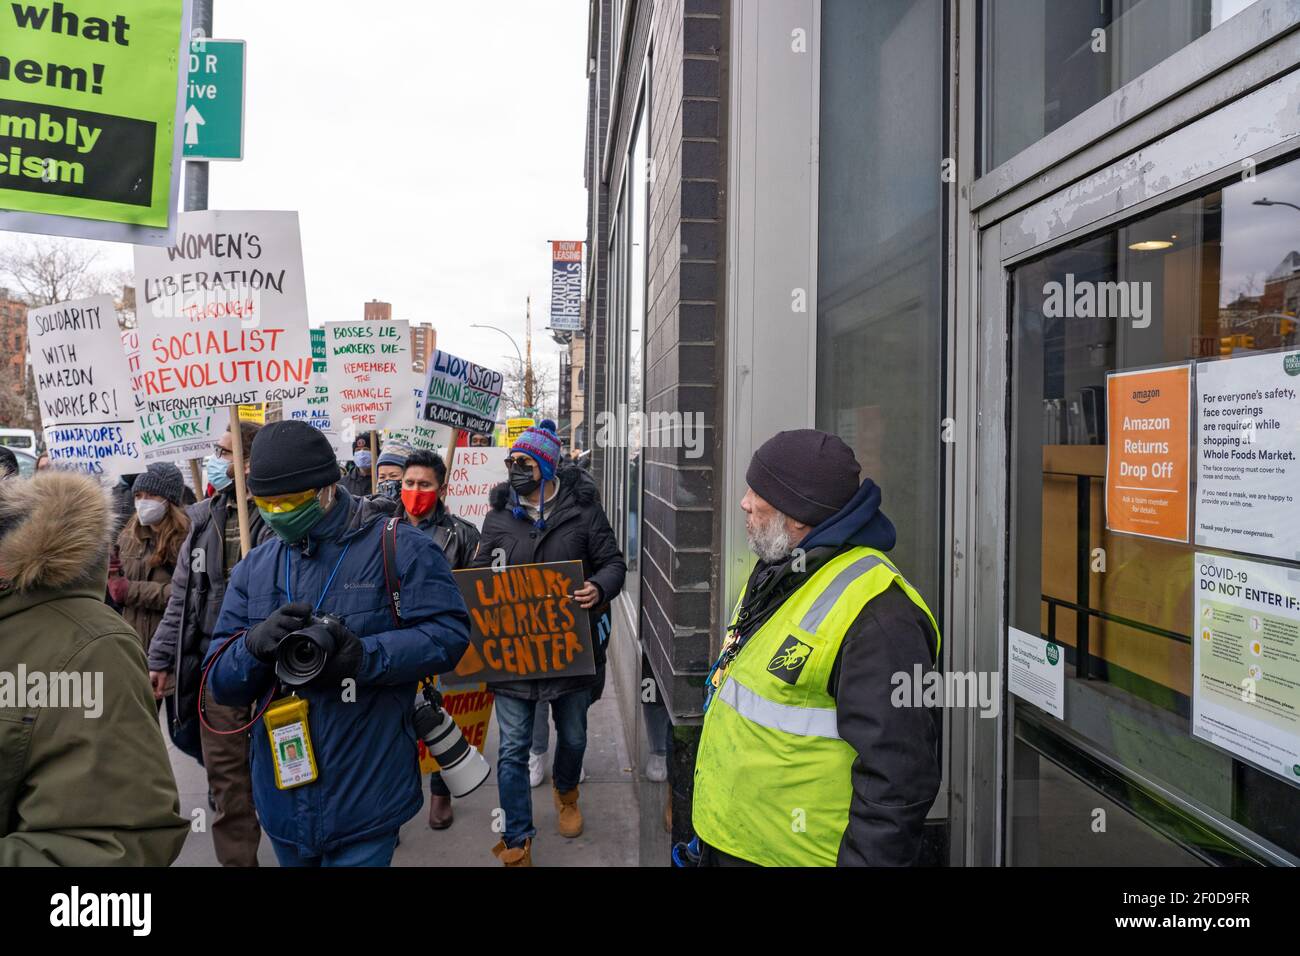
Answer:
[(391, 488), (522, 480)]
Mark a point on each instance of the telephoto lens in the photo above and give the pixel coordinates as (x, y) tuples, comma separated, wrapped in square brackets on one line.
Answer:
[(463, 767), (301, 656)]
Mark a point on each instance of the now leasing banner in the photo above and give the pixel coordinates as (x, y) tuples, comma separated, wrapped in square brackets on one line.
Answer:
[(91, 102), (223, 313), (84, 387)]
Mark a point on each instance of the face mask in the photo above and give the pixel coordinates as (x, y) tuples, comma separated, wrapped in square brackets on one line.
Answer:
[(391, 488), (150, 512), (362, 460), (417, 502), (522, 480), (292, 526), (217, 473)]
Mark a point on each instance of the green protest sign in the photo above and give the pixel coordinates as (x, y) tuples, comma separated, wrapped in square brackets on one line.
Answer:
[(91, 100)]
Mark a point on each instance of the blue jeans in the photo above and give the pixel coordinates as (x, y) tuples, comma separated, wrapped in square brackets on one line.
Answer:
[(376, 851), (515, 720)]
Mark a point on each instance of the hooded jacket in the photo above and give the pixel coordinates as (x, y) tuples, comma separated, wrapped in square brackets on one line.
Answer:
[(576, 529), (896, 774), (87, 785), (365, 749)]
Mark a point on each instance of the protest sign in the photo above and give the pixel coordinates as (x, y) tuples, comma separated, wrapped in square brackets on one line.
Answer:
[(369, 369), (314, 407), (524, 624), (83, 386), (461, 394), (223, 312), (471, 709), (420, 435), (168, 436), (471, 476), (253, 413), (515, 427), (91, 105)]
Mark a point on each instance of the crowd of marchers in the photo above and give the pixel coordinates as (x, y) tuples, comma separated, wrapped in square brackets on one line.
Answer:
[(184, 605)]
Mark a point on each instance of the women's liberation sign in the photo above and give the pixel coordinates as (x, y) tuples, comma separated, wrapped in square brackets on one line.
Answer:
[(83, 386), (223, 313), (168, 436)]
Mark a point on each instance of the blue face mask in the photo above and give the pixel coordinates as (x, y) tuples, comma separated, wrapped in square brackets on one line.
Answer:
[(362, 459), (215, 469)]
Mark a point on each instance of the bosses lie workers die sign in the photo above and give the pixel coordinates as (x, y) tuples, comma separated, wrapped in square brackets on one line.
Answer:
[(524, 624)]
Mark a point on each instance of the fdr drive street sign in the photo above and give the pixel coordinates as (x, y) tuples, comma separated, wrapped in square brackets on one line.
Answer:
[(214, 100)]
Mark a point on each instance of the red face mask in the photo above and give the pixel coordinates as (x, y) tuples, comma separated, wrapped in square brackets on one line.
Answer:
[(418, 503)]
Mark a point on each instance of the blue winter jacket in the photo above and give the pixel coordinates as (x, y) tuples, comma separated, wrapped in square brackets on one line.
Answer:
[(366, 754)]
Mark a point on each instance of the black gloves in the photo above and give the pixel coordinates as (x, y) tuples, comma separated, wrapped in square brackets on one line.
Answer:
[(346, 659), (263, 639)]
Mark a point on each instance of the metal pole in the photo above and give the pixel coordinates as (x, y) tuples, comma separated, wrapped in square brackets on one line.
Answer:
[(196, 173)]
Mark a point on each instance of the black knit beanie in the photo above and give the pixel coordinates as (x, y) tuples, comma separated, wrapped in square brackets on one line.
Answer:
[(806, 474), (162, 479), (290, 456)]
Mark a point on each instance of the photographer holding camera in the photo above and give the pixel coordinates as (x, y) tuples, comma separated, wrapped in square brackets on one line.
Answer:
[(309, 612)]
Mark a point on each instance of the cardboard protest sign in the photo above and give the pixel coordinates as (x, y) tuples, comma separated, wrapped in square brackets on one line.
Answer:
[(524, 624), (473, 473), (91, 105), (314, 407), (223, 312), (461, 394), (169, 436), (471, 708), (369, 369), (83, 387)]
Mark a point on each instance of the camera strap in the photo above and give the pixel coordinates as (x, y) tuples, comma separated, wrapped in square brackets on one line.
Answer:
[(392, 582), (288, 576)]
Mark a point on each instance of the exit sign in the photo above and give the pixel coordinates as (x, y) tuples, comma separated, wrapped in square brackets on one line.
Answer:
[(214, 100)]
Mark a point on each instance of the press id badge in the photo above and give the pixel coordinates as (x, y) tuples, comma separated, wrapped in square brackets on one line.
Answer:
[(286, 726)]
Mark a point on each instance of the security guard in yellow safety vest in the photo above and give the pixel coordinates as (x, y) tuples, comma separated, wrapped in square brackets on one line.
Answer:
[(805, 760)]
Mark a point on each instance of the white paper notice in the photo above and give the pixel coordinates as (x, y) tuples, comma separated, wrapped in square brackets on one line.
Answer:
[(1248, 477), (1036, 671), (1246, 662)]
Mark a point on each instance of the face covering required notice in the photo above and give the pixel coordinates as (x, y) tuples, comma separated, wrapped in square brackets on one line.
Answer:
[(1248, 480)]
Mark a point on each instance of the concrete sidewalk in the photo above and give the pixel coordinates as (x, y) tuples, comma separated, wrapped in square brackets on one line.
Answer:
[(608, 800)]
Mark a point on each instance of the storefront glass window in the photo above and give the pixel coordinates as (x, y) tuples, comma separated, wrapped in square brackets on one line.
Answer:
[(1144, 470), (1047, 61), (880, 313)]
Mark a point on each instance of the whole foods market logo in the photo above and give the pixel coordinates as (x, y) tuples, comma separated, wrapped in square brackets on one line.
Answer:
[(1144, 395), (1053, 654), (1291, 364)]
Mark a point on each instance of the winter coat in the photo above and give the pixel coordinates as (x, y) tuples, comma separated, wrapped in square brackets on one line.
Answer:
[(455, 536), (76, 789), (150, 588), (896, 775), (357, 481), (198, 585), (366, 752), (576, 530)]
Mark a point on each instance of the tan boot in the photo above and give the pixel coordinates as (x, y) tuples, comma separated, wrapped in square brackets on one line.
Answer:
[(514, 856), (566, 804)]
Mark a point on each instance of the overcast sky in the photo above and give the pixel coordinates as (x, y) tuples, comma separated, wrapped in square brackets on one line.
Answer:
[(430, 148)]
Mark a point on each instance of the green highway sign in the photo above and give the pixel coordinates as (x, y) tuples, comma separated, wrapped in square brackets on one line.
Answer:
[(214, 107)]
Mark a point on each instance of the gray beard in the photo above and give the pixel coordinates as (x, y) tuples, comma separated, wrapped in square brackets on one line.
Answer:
[(771, 542)]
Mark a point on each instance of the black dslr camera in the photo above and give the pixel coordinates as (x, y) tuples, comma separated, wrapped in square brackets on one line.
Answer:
[(302, 655)]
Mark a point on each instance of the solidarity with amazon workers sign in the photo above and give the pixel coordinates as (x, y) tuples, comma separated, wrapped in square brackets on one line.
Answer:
[(90, 95), (223, 313), (524, 624)]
